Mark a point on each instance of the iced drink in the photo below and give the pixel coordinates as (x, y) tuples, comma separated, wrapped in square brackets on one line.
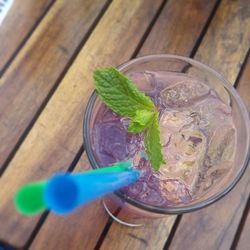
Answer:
[(197, 133)]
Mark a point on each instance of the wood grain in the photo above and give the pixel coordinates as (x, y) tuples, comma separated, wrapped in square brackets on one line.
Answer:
[(38, 66), (214, 227), (243, 87), (227, 40), (79, 230), (57, 135), (143, 237), (149, 236), (19, 22), (244, 241), (178, 27)]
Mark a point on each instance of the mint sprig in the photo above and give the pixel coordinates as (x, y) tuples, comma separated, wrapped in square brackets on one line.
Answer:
[(152, 143), (119, 93), (122, 96), (140, 121)]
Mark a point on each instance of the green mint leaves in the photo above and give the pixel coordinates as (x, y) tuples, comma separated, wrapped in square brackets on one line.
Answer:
[(152, 143), (123, 97), (119, 93), (140, 121)]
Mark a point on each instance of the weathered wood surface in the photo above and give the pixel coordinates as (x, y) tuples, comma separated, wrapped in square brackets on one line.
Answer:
[(36, 69), (177, 30), (18, 23), (244, 90), (151, 236), (243, 87), (227, 39), (244, 241), (55, 138)]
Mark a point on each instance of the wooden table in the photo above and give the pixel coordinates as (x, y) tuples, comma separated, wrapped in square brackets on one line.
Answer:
[(48, 50)]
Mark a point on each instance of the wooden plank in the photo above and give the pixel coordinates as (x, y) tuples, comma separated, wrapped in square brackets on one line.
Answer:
[(150, 236), (79, 230), (243, 86), (244, 241), (20, 20), (227, 39), (136, 238), (26, 84), (178, 28), (57, 135), (207, 229)]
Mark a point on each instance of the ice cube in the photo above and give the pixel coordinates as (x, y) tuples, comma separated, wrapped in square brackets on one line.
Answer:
[(176, 191), (184, 156), (213, 114), (221, 146), (219, 158), (165, 79), (145, 81), (172, 121), (153, 196), (184, 94)]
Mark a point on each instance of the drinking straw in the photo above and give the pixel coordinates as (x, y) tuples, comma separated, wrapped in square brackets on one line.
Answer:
[(29, 199), (66, 192)]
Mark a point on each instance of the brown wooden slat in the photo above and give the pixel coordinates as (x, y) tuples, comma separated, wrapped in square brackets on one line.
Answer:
[(151, 236), (244, 241), (20, 20), (244, 84), (57, 135), (160, 229), (227, 40), (178, 27), (34, 72), (214, 227), (79, 230)]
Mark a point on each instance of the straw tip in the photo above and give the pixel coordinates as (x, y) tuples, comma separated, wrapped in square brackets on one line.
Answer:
[(128, 164), (28, 200)]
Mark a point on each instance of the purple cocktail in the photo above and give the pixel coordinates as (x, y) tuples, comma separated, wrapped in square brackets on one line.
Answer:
[(204, 135), (197, 151)]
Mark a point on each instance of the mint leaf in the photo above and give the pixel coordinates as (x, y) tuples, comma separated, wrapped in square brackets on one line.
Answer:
[(119, 93), (123, 97), (152, 144), (140, 121)]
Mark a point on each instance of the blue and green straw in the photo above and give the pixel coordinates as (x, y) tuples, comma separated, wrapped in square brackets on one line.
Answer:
[(65, 192)]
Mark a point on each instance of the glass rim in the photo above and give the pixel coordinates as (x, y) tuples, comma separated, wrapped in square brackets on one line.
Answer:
[(184, 208)]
